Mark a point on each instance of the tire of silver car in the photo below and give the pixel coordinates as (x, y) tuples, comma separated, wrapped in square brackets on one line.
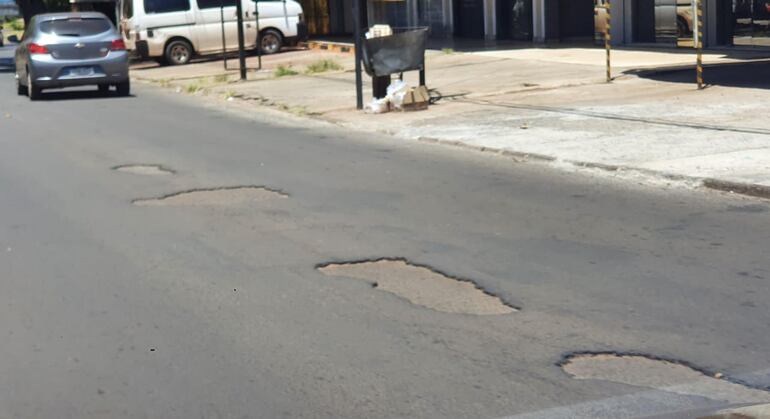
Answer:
[(33, 91), (123, 89), (178, 52), (271, 41)]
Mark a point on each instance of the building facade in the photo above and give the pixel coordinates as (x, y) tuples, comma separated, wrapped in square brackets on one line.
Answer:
[(740, 23)]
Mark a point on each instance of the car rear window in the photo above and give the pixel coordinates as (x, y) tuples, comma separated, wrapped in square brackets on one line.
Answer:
[(75, 26)]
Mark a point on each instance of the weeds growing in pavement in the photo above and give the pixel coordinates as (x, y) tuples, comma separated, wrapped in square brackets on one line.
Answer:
[(283, 71), (321, 66)]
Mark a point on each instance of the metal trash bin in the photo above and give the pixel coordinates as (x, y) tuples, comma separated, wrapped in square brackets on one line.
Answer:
[(393, 54)]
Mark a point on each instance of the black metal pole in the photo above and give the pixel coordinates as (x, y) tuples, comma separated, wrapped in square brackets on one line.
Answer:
[(357, 43), (222, 21), (259, 35), (241, 52)]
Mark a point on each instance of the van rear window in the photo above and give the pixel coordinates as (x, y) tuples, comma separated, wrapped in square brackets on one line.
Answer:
[(75, 26), (166, 6)]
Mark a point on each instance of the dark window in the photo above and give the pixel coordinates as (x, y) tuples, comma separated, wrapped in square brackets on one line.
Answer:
[(165, 6), (128, 9), (75, 26), (214, 4)]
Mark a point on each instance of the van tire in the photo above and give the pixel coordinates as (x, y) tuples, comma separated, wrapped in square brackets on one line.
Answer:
[(271, 41), (178, 52)]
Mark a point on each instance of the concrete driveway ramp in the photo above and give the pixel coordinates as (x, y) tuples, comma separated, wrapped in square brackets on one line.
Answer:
[(225, 196), (144, 169), (422, 286), (643, 371)]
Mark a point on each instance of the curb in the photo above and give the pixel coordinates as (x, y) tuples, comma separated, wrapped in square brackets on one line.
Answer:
[(741, 188), (329, 46)]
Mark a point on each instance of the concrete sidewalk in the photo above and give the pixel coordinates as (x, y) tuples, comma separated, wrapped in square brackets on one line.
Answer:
[(550, 104)]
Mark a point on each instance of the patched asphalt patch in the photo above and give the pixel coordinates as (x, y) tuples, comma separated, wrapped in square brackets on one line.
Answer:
[(144, 169), (660, 374), (422, 286), (223, 196)]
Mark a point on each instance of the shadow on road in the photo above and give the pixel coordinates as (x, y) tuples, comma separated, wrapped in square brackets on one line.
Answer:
[(749, 75), (55, 95)]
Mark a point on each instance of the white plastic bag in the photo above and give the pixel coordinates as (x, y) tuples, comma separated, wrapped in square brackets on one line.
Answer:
[(396, 92), (378, 105)]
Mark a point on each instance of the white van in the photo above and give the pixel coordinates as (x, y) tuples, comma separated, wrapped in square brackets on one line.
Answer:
[(173, 31)]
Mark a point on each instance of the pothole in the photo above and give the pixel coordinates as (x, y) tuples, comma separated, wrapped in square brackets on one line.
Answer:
[(144, 169), (422, 286), (665, 375), (224, 196)]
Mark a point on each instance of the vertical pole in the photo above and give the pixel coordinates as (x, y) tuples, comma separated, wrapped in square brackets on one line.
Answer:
[(222, 21), (259, 35), (699, 43), (241, 52), (357, 40), (608, 37)]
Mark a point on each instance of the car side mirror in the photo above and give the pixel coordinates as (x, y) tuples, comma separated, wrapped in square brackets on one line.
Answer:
[(14, 39)]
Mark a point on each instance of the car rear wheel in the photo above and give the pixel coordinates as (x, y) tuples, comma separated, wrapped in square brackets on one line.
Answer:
[(123, 89), (178, 52), (271, 41), (33, 91)]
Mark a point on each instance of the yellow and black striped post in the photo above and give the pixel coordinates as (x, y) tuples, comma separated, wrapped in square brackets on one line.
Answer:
[(608, 37), (699, 43)]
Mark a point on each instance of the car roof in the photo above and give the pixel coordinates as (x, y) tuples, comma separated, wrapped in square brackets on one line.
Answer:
[(68, 15)]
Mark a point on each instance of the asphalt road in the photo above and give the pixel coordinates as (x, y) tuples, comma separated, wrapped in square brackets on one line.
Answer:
[(111, 310)]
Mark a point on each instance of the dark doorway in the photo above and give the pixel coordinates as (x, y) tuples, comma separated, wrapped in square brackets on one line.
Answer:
[(469, 18), (514, 19), (576, 20), (644, 21)]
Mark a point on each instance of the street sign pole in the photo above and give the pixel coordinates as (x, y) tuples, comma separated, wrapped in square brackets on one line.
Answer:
[(698, 41), (241, 52), (357, 41), (608, 38)]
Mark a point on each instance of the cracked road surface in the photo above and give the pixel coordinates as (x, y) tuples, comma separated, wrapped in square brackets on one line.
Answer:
[(111, 310)]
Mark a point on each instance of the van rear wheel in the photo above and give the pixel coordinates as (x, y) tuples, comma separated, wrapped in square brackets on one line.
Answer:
[(271, 41), (178, 52)]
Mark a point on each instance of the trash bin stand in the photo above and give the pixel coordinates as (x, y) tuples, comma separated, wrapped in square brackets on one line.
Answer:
[(380, 86)]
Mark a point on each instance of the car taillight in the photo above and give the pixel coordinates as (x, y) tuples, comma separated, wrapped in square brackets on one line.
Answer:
[(118, 45), (38, 49)]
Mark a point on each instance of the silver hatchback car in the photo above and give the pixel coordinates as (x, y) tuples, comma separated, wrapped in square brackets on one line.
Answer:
[(71, 49)]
